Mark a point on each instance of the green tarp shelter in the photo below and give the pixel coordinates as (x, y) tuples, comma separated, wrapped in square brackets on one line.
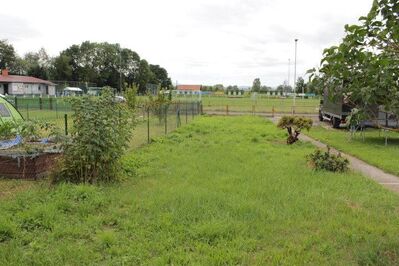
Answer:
[(8, 111)]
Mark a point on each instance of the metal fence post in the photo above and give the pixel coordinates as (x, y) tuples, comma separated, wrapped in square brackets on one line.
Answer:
[(27, 111), (227, 109), (192, 110), (40, 103), (56, 108), (186, 111), (166, 119), (148, 125), (16, 102), (51, 103), (178, 123), (66, 124)]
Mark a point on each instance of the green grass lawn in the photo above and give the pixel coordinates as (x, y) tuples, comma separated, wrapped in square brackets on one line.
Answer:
[(219, 191), (372, 149), (261, 103)]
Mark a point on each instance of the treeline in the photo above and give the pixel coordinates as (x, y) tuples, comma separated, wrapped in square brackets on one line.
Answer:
[(104, 64)]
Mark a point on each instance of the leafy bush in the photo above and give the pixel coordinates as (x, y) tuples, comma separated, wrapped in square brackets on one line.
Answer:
[(131, 97), (7, 130), (158, 105), (294, 125), (101, 132), (327, 161)]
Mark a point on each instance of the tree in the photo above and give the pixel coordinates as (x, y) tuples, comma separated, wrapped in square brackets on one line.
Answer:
[(108, 64), (62, 68), (363, 68), (284, 88), (301, 86), (37, 64), (160, 76), (218, 87), (8, 57), (265, 89), (256, 85), (144, 76), (294, 126)]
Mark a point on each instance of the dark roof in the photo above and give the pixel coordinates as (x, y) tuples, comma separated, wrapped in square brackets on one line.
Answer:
[(23, 79), (189, 87)]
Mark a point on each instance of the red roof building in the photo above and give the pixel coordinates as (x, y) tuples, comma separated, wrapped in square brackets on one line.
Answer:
[(24, 85), (191, 88)]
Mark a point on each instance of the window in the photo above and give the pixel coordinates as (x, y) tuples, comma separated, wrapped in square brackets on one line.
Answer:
[(4, 112)]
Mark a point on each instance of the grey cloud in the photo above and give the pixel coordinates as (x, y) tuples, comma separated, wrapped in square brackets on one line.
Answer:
[(15, 28)]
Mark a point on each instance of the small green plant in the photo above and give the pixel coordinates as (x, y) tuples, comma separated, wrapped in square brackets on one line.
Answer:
[(131, 97), (29, 130), (7, 130), (159, 105), (327, 161), (51, 131), (294, 126)]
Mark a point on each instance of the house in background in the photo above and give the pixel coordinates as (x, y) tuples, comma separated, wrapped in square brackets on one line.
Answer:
[(24, 85), (189, 89)]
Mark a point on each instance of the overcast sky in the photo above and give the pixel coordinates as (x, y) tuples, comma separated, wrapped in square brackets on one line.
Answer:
[(198, 42)]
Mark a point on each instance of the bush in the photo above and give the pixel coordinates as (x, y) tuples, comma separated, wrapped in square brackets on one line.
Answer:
[(7, 130), (294, 126), (101, 132), (327, 161)]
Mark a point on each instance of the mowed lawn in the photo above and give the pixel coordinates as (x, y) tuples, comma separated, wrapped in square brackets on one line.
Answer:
[(370, 149), (219, 191)]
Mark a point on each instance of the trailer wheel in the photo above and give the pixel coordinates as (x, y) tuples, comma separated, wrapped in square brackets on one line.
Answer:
[(336, 122)]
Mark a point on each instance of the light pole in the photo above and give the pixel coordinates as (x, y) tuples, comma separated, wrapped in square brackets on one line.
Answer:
[(296, 47), (289, 73)]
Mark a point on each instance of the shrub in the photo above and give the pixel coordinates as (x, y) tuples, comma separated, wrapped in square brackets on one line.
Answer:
[(101, 132), (131, 97), (294, 125), (327, 161), (7, 130)]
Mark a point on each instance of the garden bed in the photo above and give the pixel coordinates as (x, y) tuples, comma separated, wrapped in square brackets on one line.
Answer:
[(19, 164)]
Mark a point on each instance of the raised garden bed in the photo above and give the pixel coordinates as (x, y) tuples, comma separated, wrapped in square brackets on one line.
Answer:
[(20, 164)]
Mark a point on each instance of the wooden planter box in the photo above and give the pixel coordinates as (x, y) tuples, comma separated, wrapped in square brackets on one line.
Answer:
[(26, 166)]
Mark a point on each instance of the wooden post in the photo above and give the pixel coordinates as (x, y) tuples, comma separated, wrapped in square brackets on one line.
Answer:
[(227, 109), (253, 109), (273, 111)]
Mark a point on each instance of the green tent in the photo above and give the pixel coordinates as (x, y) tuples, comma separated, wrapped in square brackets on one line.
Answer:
[(8, 111)]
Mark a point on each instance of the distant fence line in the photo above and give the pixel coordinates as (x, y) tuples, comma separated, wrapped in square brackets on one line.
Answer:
[(152, 121)]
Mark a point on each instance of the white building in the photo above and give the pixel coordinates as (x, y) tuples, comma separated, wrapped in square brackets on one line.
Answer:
[(24, 85)]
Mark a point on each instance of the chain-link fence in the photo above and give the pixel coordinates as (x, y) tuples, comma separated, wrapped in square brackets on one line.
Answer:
[(152, 120)]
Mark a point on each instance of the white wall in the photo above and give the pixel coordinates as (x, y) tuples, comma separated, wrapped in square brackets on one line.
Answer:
[(37, 89)]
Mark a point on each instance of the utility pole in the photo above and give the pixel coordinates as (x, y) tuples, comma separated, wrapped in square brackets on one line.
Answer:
[(296, 48), (289, 73)]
